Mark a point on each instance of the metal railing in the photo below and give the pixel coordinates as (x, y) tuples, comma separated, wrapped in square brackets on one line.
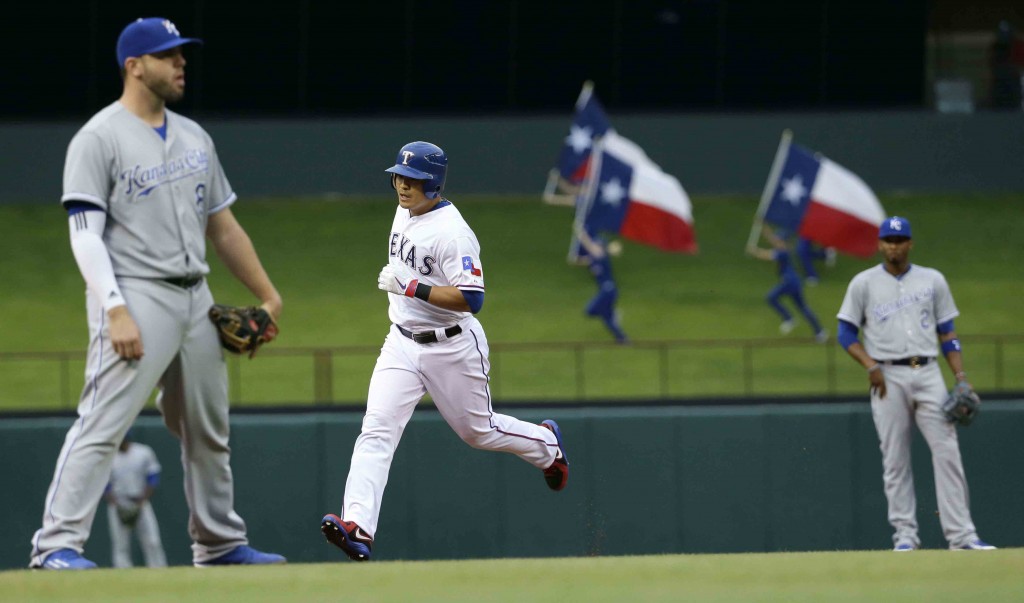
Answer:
[(741, 376)]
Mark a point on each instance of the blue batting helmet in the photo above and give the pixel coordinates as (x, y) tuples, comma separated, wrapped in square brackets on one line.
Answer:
[(422, 161)]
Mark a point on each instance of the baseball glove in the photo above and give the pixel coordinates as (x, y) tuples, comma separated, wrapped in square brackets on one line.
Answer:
[(128, 513), (962, 404), (243, 329)]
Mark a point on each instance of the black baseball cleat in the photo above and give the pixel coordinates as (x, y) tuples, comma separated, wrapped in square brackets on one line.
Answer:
[(558, 473), (347, 536)]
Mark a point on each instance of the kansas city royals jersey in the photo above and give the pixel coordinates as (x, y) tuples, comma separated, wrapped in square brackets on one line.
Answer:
[(438, 248), (131, 468), (897, 316), (157, 194)]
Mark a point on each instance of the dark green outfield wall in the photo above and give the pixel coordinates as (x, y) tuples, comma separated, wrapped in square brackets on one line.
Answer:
[(709, 153), (644, 480)]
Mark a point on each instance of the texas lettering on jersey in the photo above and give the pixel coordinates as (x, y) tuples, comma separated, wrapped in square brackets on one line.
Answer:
[(139, 181), (405, 250)]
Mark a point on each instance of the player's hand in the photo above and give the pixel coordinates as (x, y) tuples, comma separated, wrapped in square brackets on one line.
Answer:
[(388, 281), (273, 306), (124, 333), (877, 383)]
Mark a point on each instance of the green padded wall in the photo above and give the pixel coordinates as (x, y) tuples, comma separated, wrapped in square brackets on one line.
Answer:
[(665, 479)]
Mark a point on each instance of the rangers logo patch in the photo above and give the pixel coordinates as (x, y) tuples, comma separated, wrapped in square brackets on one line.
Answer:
[(467, 265)]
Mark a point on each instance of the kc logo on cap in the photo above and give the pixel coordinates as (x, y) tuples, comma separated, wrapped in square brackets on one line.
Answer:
[(147, 36), (894, 227)]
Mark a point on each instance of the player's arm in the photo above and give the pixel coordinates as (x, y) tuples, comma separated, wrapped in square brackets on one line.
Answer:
[(442, 296), (950, 346), (236, 251), (846, 335), (453, 298), (86, 222)]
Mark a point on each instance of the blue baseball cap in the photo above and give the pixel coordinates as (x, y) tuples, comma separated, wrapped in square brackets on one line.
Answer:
[(146, 36), (894, 227)]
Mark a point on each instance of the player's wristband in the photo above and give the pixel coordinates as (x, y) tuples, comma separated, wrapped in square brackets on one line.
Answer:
[(875, 367), (423, 292), (961, 376), (952, 345)]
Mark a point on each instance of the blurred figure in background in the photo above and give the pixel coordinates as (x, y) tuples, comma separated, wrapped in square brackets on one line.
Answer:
[(134, 477), (598, 258), (789, 285), (1006, 61), (809, 252)]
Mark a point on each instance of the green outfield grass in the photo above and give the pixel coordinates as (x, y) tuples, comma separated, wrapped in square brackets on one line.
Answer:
[(933, 576), (324, 256)]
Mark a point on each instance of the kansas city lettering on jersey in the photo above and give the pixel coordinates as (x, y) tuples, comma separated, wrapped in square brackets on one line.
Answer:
[(139, 181), (405, 250), (882, 312)]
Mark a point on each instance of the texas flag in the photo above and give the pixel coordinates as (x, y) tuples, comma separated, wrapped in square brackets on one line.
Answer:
[(589, 122), (627, 193), (823, 201)]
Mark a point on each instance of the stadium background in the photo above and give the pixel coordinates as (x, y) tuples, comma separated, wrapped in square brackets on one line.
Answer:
[(306, 98)]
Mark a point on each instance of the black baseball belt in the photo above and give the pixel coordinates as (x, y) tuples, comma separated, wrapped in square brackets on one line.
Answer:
[(428, 336), (185, 282), (913, 361)]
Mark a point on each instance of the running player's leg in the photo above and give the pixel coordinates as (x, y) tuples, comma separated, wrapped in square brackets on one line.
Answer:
[(893, 417), (115, 392), (456, 375), (807, 252), (950, 480), (395, 389), (801, 304), (774, 300)]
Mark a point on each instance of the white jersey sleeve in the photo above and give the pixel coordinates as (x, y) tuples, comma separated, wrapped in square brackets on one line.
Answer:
[(945, 308), (220, 193), (854, 302), (88, 170), (461, 263)]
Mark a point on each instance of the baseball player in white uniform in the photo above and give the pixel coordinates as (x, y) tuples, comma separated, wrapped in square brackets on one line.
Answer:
[(134, 476), (144, 190), (901, 307), (434, 278)]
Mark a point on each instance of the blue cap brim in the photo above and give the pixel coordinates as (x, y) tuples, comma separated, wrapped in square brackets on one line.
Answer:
[(165, 46), (409, 172)]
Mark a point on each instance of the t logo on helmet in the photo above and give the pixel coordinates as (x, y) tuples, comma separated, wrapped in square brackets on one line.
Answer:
[(407, 155)]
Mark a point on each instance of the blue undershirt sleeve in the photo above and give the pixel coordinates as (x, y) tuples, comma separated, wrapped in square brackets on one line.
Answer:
[(847, 334), (475, 299), (945, 327), (75, 207)]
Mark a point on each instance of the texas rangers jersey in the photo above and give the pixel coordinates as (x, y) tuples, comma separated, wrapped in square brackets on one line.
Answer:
[(898, 315), (438, 248), (131, 469), (157, 194)]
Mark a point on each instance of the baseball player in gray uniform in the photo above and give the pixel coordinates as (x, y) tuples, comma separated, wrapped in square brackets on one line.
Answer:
[(435, 285), (134, 476), (144, 190), (902, 310)]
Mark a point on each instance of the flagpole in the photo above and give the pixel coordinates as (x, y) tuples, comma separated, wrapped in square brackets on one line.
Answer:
[(588, 190), (552, 189), (769, 187)]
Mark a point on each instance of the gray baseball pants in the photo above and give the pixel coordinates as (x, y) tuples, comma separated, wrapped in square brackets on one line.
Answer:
[(182, 355)]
